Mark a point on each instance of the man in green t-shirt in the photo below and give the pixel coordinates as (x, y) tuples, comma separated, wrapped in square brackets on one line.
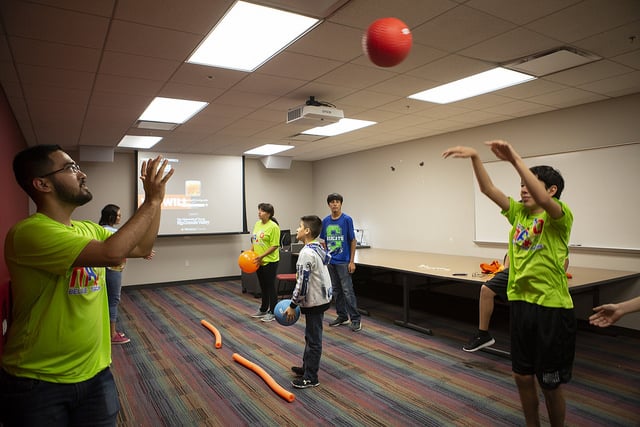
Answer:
[(543, 324), (59, 335)]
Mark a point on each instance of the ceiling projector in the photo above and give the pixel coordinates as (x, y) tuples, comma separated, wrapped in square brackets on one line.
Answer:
[(317, 115)]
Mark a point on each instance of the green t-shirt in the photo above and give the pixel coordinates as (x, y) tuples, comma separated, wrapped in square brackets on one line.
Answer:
[(265, 236), (60, 327), (538, 248)]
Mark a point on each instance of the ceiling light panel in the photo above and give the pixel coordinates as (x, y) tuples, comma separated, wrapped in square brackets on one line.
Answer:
[(139, 142), (268, 149), (488, 81), (155, 125), (171, 110), (343, 126), (249, 35)]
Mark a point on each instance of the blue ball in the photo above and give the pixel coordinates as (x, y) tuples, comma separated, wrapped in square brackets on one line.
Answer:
[(279, 312)]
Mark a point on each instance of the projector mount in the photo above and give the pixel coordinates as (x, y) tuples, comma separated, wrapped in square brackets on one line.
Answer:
[(312, 102)]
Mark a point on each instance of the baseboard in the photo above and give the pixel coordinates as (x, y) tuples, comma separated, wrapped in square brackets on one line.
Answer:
[(180, 282)]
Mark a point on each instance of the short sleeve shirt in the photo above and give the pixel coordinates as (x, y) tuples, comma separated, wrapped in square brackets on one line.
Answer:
[(265, 236), (60, 327), (538, 248), (338, 235)]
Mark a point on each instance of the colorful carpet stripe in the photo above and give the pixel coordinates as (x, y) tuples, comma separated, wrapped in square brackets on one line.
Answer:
[(171, 374)]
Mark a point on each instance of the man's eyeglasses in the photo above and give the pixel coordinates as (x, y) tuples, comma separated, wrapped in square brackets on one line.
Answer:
[(73, 167)]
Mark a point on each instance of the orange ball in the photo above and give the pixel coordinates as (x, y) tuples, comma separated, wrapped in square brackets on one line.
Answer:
[(387, 42), (246, 261)]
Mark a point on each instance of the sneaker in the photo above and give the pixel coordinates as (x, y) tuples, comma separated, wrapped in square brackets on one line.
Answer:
[(119, 339), (302, 383), (478, 342), (121, 334), (355, 326), (297, 370), (339, 321), (269, 317), (259, 314)]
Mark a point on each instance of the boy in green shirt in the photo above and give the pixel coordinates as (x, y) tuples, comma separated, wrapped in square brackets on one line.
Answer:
[(543, 325)]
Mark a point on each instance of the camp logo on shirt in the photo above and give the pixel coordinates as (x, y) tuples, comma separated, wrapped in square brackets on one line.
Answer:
[(83, 280), (259, 239), (335, 239), (526, 238)]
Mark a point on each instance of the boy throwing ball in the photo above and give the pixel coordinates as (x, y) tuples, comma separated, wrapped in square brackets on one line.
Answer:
[(543, 324)]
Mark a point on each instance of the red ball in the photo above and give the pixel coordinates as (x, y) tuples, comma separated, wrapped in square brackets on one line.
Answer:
[(387, 42), (246, 261)]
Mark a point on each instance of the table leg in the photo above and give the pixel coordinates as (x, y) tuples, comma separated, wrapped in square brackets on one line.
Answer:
[(405, 310)]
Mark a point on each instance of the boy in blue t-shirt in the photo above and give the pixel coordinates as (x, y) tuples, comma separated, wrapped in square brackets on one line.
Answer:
[(340, 239)]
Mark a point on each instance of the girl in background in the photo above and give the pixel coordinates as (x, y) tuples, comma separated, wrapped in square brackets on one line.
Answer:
[(110, 217)]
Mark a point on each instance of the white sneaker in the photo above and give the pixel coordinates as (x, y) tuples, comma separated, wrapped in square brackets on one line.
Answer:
[(259, 314), (268, 317)]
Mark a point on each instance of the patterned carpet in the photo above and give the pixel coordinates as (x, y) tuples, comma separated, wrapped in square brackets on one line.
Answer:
[(171, 374)]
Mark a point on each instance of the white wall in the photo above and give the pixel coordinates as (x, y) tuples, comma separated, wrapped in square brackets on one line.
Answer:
[(425, 208)]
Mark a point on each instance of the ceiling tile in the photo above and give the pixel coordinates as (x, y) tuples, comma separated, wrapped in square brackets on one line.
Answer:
[(143, 67), (443, 32), (586, 18), (144, 40), (54, 55), (88, 69), (520, 11), (40, 22), (194, 16)]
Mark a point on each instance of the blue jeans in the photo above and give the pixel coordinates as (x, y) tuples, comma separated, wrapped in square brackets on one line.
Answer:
[(28, 402), (345, 297), (114, 289), (312, 345)]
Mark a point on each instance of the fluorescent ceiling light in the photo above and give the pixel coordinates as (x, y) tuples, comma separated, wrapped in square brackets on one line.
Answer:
[(141, 142), (343, 126), (171, 110), (156, 125), (269, 149), (485, 82), (249, 35)]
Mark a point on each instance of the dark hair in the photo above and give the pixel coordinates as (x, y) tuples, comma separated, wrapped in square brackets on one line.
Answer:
[(32, 163), (334, 196), (549, 176), (109, 215), (268, 208), (313, 223)]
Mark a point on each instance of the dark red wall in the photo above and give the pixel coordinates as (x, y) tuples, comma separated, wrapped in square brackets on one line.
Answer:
[(15, 203)]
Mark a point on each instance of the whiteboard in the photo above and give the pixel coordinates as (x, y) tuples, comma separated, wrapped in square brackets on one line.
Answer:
[(602, 188)]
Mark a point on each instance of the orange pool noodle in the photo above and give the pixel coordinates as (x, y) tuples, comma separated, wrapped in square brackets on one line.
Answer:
[(215, 332), (285, 394)]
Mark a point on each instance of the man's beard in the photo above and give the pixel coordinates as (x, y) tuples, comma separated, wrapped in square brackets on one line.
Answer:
[(75, 198)]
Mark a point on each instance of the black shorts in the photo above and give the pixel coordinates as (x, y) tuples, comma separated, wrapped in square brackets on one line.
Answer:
[(543, 342), (498, 284)]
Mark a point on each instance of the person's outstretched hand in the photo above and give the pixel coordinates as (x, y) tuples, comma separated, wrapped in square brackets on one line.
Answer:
[(502, 149), (154, 180), (459, 152), (606, 315)]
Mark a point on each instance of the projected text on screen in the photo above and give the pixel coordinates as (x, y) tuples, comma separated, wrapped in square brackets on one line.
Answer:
[(204, 195)]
